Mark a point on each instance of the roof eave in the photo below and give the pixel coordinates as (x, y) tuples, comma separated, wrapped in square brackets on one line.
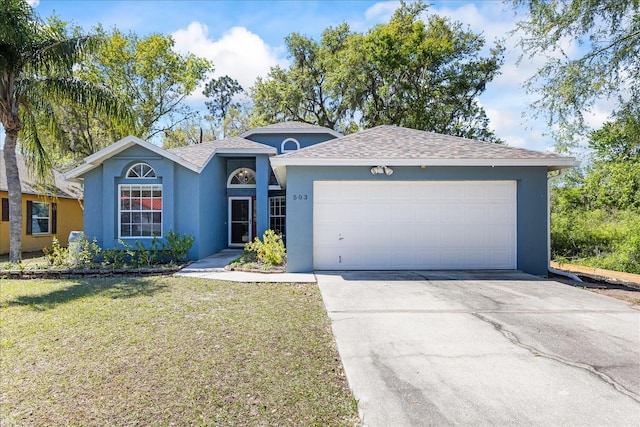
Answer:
[(269, 151), (556, 163), (281, 175), (271, 131), (99, 157)]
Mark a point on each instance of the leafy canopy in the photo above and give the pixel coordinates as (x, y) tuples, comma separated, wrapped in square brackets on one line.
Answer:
[(596, 211), (37, 63), (146, 74), (606, 66), (228, 110), (422, 75)]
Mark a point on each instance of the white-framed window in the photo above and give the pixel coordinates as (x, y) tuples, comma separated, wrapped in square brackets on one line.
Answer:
[(242, 178), (289, 144), (40, 218), (277, 214), (140, 210), (141, 170)]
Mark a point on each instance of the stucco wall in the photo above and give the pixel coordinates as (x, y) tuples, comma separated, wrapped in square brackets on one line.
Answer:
[(212, 208), (304, 139), (531, 209), (69, 218), (179, 194)]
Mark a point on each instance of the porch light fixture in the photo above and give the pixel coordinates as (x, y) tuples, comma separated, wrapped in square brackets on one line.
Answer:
[(379, 170)]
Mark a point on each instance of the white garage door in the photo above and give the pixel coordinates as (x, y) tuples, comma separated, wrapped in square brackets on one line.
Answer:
[(414, 225)]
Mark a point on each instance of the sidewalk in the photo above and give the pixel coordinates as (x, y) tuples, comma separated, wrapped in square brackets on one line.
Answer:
[(212, 267)]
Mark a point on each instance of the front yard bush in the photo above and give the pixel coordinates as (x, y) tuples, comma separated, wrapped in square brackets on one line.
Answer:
[(174, 248), (270, 250)]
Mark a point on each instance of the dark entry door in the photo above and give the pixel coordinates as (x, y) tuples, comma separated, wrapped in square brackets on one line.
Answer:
[(240, 220)]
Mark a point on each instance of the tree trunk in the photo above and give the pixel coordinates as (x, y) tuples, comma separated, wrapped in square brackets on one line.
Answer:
[(15, 196)]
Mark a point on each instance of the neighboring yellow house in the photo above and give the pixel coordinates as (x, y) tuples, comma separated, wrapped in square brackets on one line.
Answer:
[(54, 213)]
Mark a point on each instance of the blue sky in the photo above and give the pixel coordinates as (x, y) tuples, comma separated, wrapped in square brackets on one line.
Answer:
[(244, 39)]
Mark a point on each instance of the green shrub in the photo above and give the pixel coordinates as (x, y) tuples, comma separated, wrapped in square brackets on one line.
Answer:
[(55, 254), (597, 238), (114, 257), (174, 248), (82, 251), (270, 251), (177, 247)]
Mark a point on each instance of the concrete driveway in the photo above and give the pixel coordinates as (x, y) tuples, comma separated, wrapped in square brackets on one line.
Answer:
[(483, 348)]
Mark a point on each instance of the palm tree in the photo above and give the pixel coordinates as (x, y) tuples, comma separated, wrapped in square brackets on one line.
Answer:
[(36, 73)]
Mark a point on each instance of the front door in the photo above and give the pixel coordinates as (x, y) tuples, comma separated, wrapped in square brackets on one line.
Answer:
[(240, 221)]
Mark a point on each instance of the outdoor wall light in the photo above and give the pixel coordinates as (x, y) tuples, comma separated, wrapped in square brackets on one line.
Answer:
[(379, 170)]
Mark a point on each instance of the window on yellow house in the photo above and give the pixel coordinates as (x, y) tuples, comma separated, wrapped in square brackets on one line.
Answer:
[(41, 217)]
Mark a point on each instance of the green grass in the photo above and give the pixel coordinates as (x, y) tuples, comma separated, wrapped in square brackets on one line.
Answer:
[(168, 351)]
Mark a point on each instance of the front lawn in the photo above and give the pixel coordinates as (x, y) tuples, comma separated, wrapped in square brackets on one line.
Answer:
[(168, 351)]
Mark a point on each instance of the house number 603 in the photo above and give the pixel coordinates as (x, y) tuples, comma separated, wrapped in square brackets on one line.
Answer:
[(300, 197)]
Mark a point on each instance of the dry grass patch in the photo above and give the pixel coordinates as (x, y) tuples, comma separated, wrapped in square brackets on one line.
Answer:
[(168, 351)]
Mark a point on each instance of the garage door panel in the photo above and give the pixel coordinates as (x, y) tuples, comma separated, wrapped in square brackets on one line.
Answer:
[(378, 213), (374, 237), (376, 256), (414, 225), (351, 193), (405, 193)]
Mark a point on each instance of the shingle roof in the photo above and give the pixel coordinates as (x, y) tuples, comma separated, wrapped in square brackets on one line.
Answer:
[(199, 154), (63, 189), (393, 142), (291, 127)]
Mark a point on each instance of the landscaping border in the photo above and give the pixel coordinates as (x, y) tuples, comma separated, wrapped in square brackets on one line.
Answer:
[(72, 273), (629, 279)]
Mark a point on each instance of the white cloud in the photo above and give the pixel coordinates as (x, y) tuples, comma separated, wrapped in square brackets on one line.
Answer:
[(239, 53), (490, 18), (33, 3), (382, 11), (599, 113)]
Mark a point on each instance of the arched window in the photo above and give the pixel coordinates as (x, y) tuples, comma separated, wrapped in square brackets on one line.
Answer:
[(141, 170), (242, 178), (289, 144)]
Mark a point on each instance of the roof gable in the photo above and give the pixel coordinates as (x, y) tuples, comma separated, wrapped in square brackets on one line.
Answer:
[(291, 127), (96, 159)]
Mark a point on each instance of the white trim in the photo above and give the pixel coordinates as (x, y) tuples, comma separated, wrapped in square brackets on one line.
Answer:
[(229, 220), (96, 159), (282, 201), (119, 224), (284, 143), (284, 131), (41, 233), (279, 163), (151, 170), (559, 163), (234, 173), (281, 174)]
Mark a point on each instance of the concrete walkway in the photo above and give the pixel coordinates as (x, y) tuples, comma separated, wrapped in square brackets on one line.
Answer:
[(212, 267)]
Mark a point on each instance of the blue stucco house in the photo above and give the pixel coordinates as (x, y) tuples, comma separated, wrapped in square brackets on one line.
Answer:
[(384, 198)]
